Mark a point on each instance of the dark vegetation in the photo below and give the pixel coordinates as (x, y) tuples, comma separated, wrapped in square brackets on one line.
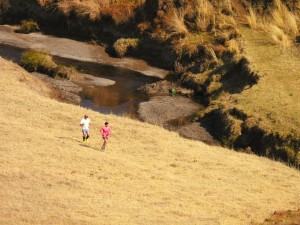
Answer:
[(28, 26)]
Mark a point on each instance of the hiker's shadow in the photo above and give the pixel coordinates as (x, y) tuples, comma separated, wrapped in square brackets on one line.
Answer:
[(86, 145)]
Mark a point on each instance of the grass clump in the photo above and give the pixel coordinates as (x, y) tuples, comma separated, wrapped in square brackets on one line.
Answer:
[(28, 26), (280, 23), (126, 46), (39, 61)]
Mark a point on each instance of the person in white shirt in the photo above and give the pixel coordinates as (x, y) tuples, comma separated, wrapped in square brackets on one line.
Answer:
[(85, 124)]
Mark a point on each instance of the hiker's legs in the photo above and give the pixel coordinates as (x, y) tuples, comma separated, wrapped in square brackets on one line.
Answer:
[(104, 143), (84, 135)]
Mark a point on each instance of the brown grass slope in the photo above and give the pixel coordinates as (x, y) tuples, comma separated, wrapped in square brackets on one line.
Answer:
[(147, 176)]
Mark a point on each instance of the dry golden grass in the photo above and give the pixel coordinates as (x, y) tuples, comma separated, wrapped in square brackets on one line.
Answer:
[(284, 18), (252, 18), (147, 176), (281, 24), (233, 46), (119, 10), (278, 36), (174, 22), (204, 13)]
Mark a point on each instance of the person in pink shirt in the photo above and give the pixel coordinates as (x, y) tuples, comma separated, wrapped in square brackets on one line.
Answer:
[(105, 132)]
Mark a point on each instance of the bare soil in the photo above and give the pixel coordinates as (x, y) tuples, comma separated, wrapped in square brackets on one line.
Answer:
[(283, 218), (63, 89), (175, 113)]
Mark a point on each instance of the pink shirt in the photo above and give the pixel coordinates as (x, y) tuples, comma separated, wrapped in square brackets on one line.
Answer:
[(105, 131)]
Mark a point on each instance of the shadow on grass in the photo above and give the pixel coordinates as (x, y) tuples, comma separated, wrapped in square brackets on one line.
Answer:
[(82, 144)]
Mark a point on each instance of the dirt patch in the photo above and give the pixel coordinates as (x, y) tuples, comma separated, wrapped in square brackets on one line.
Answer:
[(195, 131), (175, 113), (283, 217), (163, 108), (63, 89)]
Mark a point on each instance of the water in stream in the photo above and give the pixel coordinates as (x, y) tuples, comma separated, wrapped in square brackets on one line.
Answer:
[(122, 98)]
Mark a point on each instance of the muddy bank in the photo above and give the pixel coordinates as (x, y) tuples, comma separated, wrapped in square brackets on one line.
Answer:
[(176, 113), (105, 88), (72, 49), (64, 90)]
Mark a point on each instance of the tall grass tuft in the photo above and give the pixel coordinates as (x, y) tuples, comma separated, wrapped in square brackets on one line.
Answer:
[(252, 18), (280, 23), (174, 22), (279, 36), (204, 14), (233, 46), (284, 19), (28, 26), (125, 46), (213, 55)]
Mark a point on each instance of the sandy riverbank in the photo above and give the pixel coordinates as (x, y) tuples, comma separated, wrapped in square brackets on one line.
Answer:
[(72, 49)]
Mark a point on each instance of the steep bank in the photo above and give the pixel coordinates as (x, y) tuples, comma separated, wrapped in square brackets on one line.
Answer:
[(49, 176)]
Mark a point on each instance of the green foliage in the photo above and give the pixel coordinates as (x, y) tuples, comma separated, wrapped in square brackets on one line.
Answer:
[(38, 61), (126, 46), (28, 26)]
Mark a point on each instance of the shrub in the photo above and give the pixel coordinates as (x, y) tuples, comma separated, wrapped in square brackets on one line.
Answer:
[(233, 46), (204, 14), (38, 61), (28, 26), (65, 72), (174, 23), (126, 46), (279, 37), (252, 18)]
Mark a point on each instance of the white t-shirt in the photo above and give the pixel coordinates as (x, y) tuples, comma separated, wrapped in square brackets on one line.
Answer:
[(85, 123)]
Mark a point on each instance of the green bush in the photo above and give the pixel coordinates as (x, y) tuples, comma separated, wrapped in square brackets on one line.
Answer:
[(28, 26), (38, 61), (126, 46)]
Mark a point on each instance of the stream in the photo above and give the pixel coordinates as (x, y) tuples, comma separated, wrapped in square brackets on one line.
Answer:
[(120, 98)]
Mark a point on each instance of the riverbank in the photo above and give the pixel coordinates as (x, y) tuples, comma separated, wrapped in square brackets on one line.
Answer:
[(71, 49)]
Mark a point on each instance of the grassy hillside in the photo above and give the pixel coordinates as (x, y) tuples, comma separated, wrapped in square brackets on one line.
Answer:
[(147, 176), (239, 57)]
